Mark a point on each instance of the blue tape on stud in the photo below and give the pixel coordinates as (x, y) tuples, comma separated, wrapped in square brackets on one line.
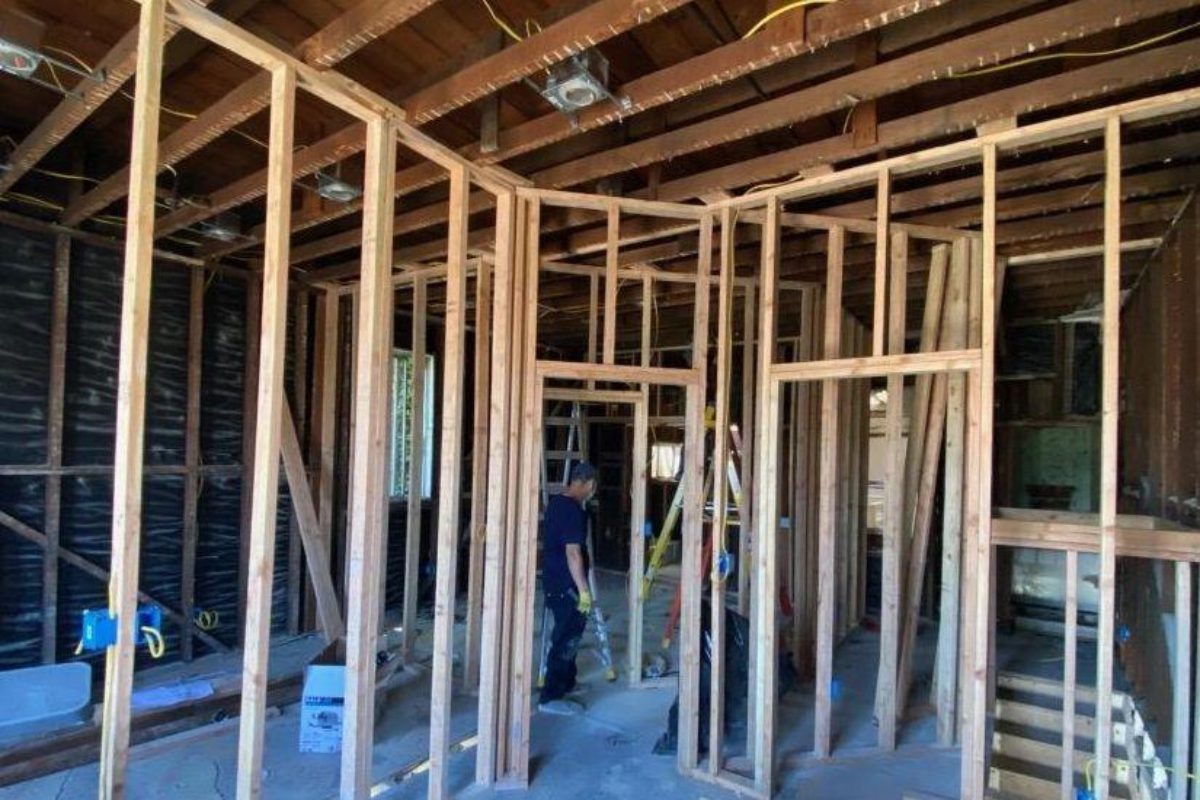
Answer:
[(648, 530), (725, 564)]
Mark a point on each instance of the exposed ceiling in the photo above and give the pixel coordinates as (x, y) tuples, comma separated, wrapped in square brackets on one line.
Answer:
[(712, 114)]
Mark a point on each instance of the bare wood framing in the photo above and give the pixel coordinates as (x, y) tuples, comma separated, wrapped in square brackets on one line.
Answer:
[(54, 448), (1109, 410), (826, 503), (368, 472), (499, 445), (265, 486), (191, 457), (479, 474), (416, 473), (610, 283), (1070, 655), (131, 400), (449, 486)]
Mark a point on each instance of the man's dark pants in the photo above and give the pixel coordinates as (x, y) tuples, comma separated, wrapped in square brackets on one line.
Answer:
[(569, 624)]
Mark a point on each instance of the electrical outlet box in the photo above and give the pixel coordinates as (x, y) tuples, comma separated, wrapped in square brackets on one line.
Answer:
[(100, 630)]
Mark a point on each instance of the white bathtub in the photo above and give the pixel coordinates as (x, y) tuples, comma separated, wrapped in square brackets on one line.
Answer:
[(38, 699)]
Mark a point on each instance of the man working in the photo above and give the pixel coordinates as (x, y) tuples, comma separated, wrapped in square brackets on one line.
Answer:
[(565, 586)]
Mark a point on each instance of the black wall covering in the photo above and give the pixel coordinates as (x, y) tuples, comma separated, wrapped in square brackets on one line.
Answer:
[(26, 271)]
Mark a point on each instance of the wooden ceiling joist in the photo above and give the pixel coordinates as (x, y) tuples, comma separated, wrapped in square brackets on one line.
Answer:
[(826, 26), (115, 68), (333, 43), (1057, 90), (527, 57)]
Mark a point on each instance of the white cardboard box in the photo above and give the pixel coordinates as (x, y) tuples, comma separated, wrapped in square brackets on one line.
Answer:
[(321, 708)]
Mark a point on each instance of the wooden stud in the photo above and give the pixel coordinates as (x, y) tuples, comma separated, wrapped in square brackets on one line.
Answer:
[(54, 448), (499, 444), (746, 535), (926, 422), (131, 401), (253, 316), (893, 525), (946, 659), (308, 529), (1181, 718), (323, 442), (368, 476), (520, 644), (637, 539), (826, 503), (479, 475), (1070, 654), (416, 475), (979, 604), (692, 532), (610, 283), (883, 191), (267, 422), (449, 486), (191, 458), (1109, 410), (295, 554), (721, 456)]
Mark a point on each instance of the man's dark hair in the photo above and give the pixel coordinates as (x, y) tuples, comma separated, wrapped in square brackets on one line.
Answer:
[(582, 471)]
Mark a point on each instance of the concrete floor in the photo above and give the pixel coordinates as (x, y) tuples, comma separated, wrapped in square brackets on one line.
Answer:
[(605, 754)]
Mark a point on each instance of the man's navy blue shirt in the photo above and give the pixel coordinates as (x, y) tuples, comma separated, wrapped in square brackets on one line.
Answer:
[(564, 523)]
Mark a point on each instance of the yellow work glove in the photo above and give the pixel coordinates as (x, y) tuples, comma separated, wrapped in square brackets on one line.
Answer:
[(584, 606)]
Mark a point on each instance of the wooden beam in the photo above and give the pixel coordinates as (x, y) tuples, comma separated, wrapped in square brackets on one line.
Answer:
[(883, 195), (449, 487), (1070, 659), (893, 524), (368, 484), (597, 22), (113, 71), (267, 423), (979, 605), (316, 555), (191, 457), (721, 457), (416, 474), (479, 474), (131, 396), (826, 502), (1109, 490), (500, 442), (341, 38), (253, 319), (960, 54), (54, 445), (1181, 675), (610, 283), (296, 587)]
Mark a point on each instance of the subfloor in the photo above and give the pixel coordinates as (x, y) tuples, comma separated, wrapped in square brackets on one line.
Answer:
[(604, 754)]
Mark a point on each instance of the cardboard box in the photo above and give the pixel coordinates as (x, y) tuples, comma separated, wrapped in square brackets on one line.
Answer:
[(322, 708)]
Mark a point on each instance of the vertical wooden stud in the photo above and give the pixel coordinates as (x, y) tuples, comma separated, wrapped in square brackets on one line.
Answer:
[(54, 450), (191, 459), (479, 474), (826, 502), (416, 474), (131, 400), (265, 487), (368, 458), (610, 283), (449, 484), (1070, 653)]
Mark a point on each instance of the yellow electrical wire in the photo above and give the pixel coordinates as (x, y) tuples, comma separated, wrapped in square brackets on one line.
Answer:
[(208, 620), (504, 26), (1162, 37), (1116, 762), (155, 644), (756, 27)]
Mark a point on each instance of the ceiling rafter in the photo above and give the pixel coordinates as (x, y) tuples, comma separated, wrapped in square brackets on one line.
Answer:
[(990, 46), (116, 68), (338, 40)]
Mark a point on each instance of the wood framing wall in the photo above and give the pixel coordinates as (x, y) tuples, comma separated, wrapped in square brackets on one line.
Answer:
[(804, 415)]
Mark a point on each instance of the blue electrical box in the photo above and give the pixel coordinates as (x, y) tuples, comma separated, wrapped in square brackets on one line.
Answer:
[(100, 630)]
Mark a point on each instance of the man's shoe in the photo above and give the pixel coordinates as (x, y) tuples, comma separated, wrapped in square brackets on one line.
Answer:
[(563, 707)]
